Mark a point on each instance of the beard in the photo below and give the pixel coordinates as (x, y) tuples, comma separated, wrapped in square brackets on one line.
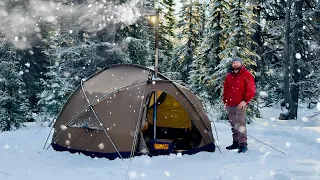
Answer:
[(237, 68)]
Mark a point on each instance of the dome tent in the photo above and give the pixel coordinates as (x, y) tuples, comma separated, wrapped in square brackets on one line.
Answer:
[(110, 115)]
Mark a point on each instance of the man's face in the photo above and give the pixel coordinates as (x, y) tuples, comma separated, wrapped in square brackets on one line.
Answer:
[(236, 65)]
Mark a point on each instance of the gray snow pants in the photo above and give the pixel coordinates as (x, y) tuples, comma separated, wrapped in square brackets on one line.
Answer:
[(237, 121)]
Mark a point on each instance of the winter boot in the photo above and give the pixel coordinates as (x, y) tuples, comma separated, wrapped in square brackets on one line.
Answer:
[(234, 145), (242, 149)]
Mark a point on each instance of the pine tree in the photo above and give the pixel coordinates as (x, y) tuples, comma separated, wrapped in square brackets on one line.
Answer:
[(199, 55), (239, 34), (139, 42), (188, 37), (166, 34), (34, 64), (308, 63), (212, 46), (270, 66), (81, 61), (15, 108), (28, 38), (239, 41), (56, 91), (299, 64)]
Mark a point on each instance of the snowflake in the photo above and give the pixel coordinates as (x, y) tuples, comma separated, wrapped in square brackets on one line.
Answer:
[(27, 64), (298, 56), (133, 175), (305, 119), (167, 173), (6, 146), (288, 144), (101, 146)]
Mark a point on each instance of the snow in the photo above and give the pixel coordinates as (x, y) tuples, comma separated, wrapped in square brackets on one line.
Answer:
[(101, 146), (27, 64), (24, 158), (263, 94), (298, 55)]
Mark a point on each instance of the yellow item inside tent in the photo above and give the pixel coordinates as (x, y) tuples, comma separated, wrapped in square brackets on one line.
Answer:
[(170, 112)]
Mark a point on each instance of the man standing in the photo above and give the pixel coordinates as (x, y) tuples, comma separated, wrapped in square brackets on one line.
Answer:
[(239, 89)]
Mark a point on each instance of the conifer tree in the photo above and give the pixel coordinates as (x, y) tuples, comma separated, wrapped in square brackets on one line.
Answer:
[(57, 88), (15, 107), (239, 41), (188, 37), (166, 34), (197, 67), (212, 46)]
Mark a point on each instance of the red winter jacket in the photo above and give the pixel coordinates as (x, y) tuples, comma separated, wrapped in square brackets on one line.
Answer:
[(238, 87)]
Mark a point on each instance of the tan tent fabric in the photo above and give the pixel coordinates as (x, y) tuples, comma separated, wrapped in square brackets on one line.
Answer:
[(105, 112)]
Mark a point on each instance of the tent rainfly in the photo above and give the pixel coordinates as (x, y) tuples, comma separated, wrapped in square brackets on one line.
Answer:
[(111, 114)]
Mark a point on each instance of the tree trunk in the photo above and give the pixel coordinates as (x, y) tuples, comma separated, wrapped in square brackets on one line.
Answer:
[(294, 69), (286, 56), (256, 37), (238, 25), (296, 48), (217, 42)]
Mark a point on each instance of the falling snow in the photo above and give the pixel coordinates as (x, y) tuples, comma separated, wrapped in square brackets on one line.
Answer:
[(63, 127), (298, 55), (101, 146), (133, 175), (288, 144), (305, 119), (27, 65), (6, 146), (67, 142), (263, 94), (26, 144)]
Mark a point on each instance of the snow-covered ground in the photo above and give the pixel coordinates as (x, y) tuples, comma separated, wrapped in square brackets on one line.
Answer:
[(22, 157)]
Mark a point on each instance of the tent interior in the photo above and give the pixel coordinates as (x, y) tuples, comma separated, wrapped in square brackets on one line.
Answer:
[(173, 123)]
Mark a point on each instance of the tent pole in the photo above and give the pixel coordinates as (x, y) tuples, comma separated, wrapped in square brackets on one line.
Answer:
[(155, 116), (156, 68), (93, 103), (95, 114), (138, 129)]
